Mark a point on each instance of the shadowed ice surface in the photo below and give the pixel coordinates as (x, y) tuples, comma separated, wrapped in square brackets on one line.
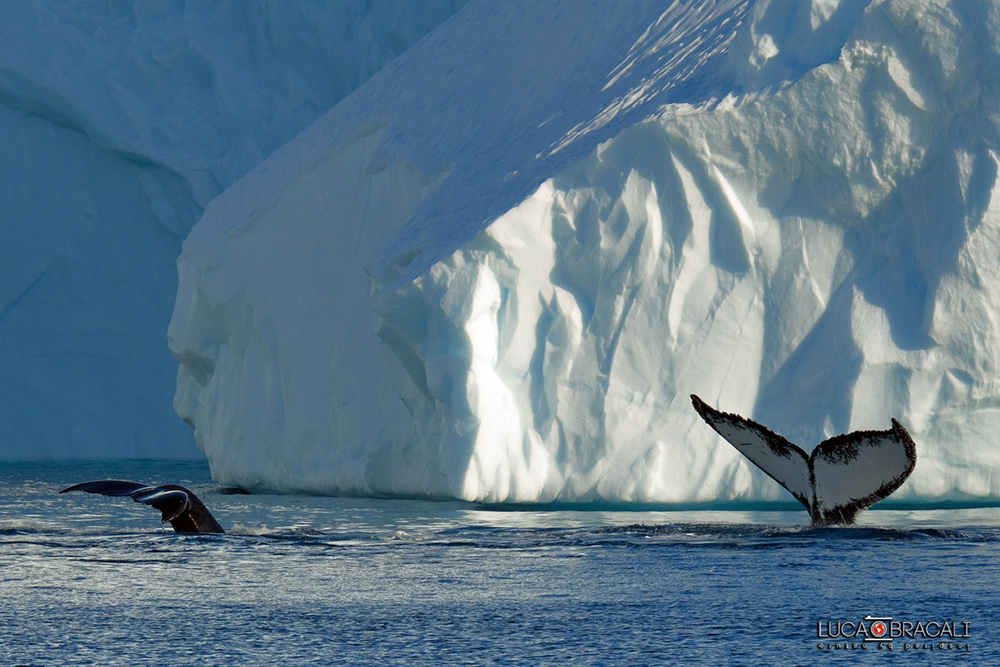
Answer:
[(318, 580)]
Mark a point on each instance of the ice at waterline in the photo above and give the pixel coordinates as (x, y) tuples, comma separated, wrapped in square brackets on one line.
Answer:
[(843, 476)]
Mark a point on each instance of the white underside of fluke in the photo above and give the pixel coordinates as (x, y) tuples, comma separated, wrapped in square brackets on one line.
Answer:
[(842, 476)]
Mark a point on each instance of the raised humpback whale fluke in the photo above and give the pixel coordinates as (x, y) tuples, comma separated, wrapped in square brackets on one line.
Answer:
[(842, 476), (180, 507)]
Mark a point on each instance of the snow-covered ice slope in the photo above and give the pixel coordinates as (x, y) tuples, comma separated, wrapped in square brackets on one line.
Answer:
[(118, 123), (497, 270)]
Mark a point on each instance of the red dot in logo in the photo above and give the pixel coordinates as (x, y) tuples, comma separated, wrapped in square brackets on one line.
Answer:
[(878, 629)]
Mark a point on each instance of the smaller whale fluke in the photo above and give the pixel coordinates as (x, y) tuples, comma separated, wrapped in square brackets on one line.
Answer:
[(180, 507), (843, 476)]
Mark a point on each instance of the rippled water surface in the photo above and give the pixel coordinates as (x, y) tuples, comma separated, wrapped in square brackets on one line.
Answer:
[(88, 580)]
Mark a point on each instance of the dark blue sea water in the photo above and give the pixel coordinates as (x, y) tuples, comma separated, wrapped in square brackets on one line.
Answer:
[(300, 580)]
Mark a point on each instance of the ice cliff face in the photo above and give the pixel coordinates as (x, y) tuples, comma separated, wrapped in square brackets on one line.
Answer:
[(118, 123), (497, 270)]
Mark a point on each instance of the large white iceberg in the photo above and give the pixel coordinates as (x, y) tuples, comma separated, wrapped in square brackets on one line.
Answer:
[(118, 123), (497, 270)]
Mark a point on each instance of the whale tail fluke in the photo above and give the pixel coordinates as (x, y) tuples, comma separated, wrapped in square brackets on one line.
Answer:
[(179, 507), (852, 472), (783, 461), (843, 475)]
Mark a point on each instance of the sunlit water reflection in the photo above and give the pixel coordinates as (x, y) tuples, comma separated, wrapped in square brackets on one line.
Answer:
[(87, 580)]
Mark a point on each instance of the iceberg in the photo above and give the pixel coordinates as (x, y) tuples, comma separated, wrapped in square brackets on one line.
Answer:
[(496, 270), (119, 122)]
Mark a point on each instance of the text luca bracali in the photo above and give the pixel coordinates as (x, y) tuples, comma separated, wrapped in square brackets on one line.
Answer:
[(888, 634)]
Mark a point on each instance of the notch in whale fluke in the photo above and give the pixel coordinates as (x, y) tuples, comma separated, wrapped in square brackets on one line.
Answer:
[(180, 507), (843, 476)]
